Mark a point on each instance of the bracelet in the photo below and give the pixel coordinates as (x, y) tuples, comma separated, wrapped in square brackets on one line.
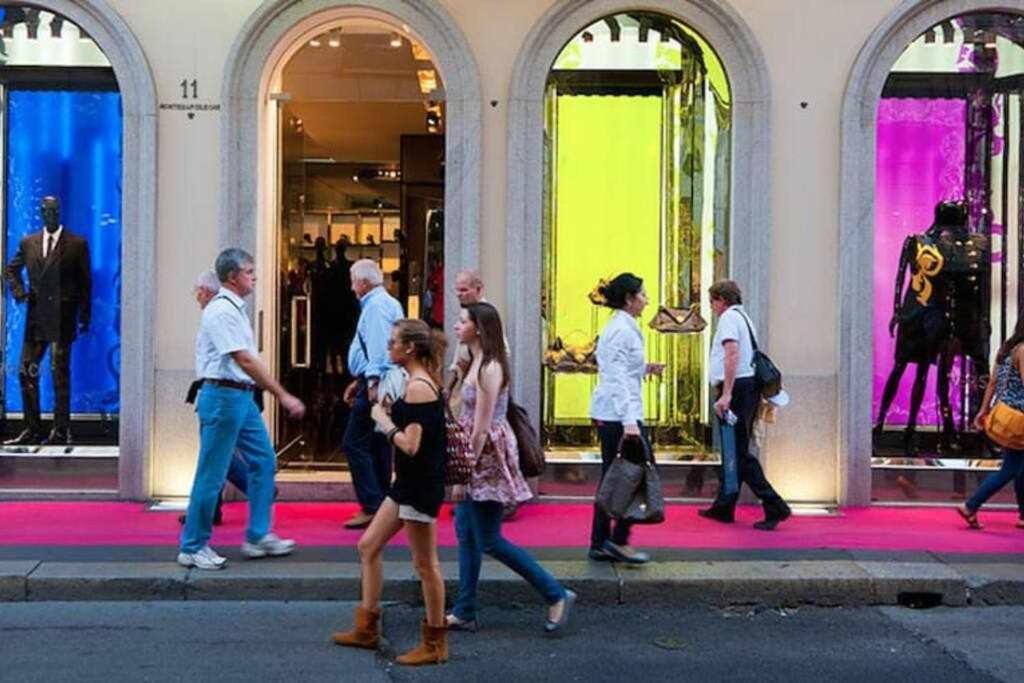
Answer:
[(391, 435)]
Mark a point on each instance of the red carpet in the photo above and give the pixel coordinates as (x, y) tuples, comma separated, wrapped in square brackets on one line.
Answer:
[(536, 525)]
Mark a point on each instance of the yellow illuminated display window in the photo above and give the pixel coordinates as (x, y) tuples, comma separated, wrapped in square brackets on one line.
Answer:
[(636, 175)]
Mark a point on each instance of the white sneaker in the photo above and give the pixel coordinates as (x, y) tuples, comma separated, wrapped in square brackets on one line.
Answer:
[(204, 558), (270, 545)]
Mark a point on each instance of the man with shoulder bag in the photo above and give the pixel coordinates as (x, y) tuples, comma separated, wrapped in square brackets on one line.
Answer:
[(738, 393)]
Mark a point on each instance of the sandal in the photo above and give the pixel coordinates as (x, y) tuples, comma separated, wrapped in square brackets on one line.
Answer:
[(453, 623), (970, 517)]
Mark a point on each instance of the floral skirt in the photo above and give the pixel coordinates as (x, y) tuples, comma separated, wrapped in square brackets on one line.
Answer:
[(496, 475)]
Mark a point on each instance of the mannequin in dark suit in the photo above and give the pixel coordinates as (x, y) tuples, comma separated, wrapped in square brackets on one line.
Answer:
[(58, 296)]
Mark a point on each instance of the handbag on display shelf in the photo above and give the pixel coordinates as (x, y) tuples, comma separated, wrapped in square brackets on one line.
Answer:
[(1004, 426), (531, 454), (631, 488), (567, 358), (670, 320)]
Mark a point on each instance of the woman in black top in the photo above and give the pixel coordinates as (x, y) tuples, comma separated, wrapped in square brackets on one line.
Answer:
[(415, 425)]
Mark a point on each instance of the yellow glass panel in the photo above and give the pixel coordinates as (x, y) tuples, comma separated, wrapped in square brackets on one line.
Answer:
[(607, 220)]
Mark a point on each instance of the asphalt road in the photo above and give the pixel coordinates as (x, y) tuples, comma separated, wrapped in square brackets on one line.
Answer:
[(271, 641)]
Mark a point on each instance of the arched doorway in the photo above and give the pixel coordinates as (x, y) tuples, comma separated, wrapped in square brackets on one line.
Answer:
[(365, 149), (938, 103), (638, 130), (79, 112), (740, 180)]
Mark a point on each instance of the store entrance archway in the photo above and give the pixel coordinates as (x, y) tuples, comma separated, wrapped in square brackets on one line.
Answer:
[(359, 110), (249, 137)]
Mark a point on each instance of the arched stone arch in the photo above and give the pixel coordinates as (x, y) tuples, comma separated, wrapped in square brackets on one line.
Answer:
[(750, 193), (138, 233), (263, 34), (857, 219)]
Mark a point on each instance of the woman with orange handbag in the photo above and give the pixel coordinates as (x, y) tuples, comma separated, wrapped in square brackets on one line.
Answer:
[(1003, 422)]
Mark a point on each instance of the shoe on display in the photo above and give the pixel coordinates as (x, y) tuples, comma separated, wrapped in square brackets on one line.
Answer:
[(268, 546), (26, 438), (623, 553), (360, 521), (204, 558), (57, 438)]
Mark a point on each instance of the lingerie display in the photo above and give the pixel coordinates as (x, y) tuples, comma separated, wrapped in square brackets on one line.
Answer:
[(921, 318)]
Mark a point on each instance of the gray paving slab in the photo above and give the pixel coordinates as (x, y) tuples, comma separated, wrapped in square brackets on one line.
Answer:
[(891, 579), (107, 581), (994, 583), (14, 579), (832, 582)]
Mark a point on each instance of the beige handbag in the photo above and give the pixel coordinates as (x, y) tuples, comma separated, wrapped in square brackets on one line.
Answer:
[(670, 320)]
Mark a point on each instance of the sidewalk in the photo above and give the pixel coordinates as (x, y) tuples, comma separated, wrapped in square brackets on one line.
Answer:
[(866, 556)]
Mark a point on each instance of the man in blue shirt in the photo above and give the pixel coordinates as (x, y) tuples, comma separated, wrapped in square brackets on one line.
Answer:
[(368, 452)]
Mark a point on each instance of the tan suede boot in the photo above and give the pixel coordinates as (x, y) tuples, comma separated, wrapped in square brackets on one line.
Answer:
[(432, 650), (366, 633)]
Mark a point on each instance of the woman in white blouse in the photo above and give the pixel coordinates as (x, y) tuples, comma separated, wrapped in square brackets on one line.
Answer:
[(616, 406)]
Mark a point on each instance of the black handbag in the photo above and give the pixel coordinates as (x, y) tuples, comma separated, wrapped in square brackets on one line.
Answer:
[(531, 454), (631, 488), (766, 374)]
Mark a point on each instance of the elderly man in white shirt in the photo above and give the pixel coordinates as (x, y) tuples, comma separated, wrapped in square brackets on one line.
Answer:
[(616, 405), (732, 379), (228, 363)]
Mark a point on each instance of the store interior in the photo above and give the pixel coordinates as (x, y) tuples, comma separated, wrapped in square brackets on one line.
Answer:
[(361, 175)]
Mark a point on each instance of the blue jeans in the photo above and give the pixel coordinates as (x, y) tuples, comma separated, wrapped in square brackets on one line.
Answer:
[(229, 420), (368, 453), (238, 473), (478, 528), (1012, 468)]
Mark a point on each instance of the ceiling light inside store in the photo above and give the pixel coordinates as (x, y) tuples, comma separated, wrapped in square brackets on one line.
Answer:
[(396, 41), (428, 80), (314, 43), (334, 41)]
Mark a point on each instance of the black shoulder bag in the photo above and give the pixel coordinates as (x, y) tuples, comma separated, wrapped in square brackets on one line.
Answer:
[(766, 374)]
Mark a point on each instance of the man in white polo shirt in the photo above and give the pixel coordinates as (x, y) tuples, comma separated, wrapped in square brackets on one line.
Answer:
[(228, 363), (736, 391)]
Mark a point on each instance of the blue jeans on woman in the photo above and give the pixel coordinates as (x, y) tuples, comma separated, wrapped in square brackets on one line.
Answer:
[(1012, 469), (478, 528)]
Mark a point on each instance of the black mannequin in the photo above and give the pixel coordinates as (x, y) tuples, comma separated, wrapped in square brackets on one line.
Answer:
[(58, 296), (922, 323), (968, 259)]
